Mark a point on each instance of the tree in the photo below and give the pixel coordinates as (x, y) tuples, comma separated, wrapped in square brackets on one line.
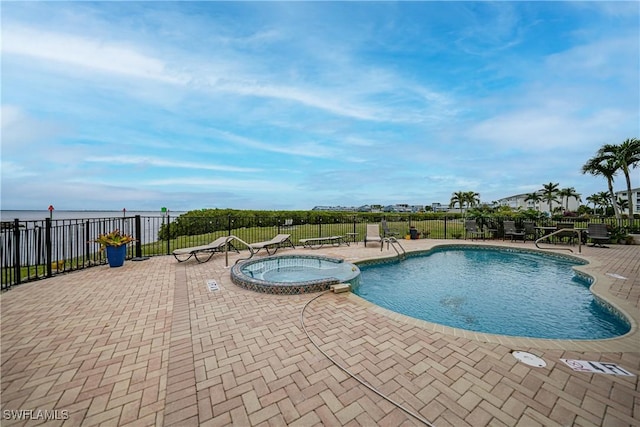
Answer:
[(622, 204), (595, 199), (535, 198), (549, 194), (605, 201), (567, 193), (598, 166), (624, 156), (471, 198), (457, 198)]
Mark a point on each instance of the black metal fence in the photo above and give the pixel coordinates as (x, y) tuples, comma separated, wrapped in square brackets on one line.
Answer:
[(32, 250)]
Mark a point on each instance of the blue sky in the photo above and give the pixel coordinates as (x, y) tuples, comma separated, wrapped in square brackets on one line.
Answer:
[(288, 105)]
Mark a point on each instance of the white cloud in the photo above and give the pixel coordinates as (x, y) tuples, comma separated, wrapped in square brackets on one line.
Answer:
[(20, 129), (87, 53), (160, 162), (252, 185)]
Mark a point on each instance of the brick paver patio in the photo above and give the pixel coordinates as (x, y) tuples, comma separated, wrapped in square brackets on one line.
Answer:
[(148, 344)]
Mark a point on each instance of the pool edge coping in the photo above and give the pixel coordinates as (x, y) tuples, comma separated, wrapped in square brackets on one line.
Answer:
[(599, 287)]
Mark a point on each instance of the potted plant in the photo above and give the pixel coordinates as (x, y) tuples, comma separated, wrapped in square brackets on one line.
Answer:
[(115, 245)]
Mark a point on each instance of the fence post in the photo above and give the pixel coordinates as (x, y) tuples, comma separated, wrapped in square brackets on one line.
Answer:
[(168, 234), (16, 250), (87, 243), (138, 234), (445, 226), (47, 246)]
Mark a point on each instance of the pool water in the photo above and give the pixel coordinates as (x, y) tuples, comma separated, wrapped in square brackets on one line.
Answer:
[(293, 274), (291, 269), (494, 291)]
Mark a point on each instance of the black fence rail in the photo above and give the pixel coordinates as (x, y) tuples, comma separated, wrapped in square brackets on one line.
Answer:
[(32, 250)]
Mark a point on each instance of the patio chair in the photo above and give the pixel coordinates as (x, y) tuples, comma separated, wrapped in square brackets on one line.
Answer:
[(569, 236), (471, 228), (211, 249), (599, 234), (385, 230), (529, 230), (511, 231), (373, 234), (277, 242), (288, 223)]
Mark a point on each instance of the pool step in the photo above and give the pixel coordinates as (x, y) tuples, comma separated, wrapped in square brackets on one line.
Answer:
[(341, 287)]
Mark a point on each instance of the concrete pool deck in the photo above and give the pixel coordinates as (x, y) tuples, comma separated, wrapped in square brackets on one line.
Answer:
[(148, 344)]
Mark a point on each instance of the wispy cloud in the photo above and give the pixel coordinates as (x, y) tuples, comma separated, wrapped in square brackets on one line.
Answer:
[(165, 163), (296, 104)]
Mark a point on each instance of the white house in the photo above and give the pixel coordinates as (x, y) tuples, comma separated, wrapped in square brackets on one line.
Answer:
[(635, 197), (518, 201)]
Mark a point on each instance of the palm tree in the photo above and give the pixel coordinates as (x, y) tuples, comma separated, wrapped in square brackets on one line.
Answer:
[(625, 155), (598, 166), (471, 198), (622, 204), (550, 194), (605, 201), (457, 198), (568, 193), (595, 199), (535, 198)]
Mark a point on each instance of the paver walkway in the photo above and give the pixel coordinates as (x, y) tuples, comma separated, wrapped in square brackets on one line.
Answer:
[(148, 344)]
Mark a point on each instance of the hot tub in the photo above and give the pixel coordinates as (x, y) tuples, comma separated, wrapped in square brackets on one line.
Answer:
[(293, 274)]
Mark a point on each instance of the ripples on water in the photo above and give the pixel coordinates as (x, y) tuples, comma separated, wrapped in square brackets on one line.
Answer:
[(492, 291)]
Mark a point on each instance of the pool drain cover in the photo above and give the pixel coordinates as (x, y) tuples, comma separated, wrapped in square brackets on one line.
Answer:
[(529, 359)]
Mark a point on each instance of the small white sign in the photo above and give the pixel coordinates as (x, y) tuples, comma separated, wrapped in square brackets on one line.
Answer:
[(212, 285), (596, 367)]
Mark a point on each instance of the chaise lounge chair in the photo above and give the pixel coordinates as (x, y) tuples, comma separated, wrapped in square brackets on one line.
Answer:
[(373, 234), (211, 249), (599, 234), (318, 242), (277, 242)]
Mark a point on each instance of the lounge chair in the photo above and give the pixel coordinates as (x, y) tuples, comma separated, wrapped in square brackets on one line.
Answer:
[(599, 234), (277, 242), (471, 228), (511, 230), (211, 249), (318, 242), (373, 234)]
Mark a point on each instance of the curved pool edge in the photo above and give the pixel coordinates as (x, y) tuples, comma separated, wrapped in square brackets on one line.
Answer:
[(600, 288), (239, 278)]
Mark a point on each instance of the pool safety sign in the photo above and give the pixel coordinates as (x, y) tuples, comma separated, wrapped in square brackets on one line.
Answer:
[(597, 367), (212, 285)]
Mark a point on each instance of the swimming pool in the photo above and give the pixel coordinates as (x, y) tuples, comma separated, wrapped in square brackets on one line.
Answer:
[(492, 290), (294, 274)]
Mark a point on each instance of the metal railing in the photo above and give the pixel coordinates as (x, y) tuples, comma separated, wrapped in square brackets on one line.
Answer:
[(32, 250), (395, 244), (563, 231)]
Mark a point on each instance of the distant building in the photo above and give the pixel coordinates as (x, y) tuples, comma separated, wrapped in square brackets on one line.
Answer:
[(438, 207), (635, 197), (518, 202), (401, 207)]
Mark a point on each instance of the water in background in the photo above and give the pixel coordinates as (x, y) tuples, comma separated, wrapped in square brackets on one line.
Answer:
[(7, 215), (67, 232)]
